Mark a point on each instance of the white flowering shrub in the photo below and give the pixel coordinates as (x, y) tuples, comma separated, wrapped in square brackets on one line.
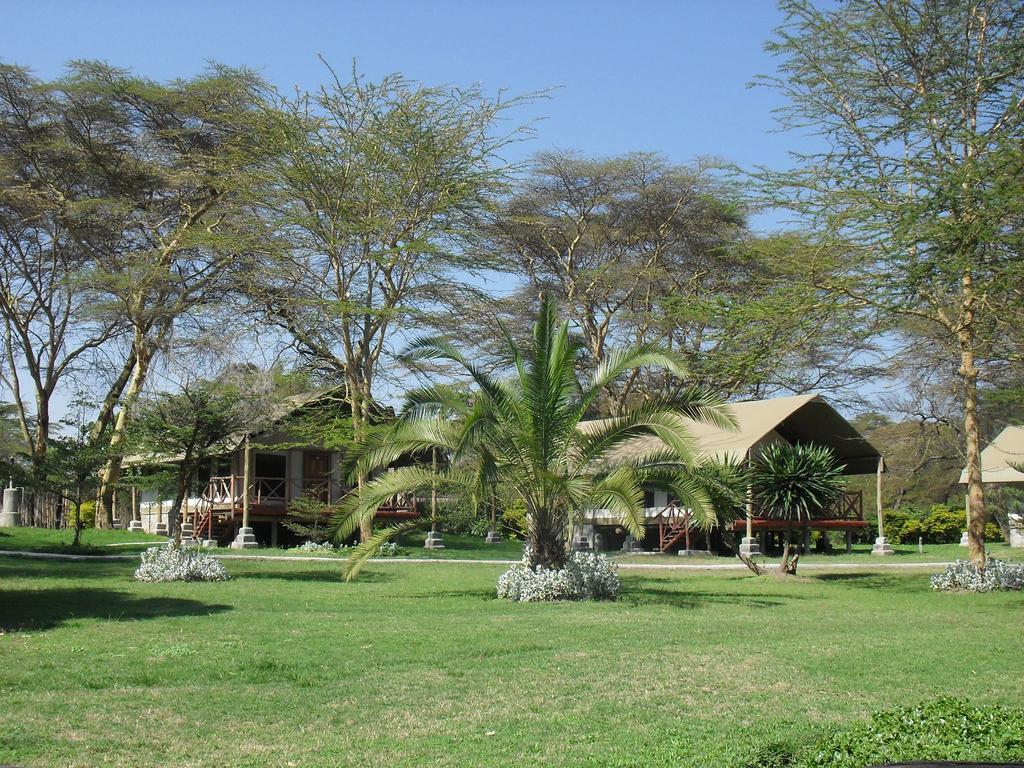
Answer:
[(320, 548), (176, 563), (391, 549), (586, 576), (964, 575)]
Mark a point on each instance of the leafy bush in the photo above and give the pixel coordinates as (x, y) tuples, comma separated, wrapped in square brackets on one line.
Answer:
[(586, 576), (391, 549), (943, 729), (964, 575), (937, 525), (87, 512), (172, 562), (939, 730), (317, 547), (513, 520)]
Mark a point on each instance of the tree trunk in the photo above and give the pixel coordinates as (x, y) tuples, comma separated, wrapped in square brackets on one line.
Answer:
[(547, 549), (976, 517), (112, 469), (785, 568)]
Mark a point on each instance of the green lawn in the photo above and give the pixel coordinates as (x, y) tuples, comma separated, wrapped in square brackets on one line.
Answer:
[(94, 541), (420, 665), (465, 547)]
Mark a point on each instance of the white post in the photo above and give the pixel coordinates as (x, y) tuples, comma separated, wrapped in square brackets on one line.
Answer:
[(967, 515), (881, 546), (748, 544), (245, 538)]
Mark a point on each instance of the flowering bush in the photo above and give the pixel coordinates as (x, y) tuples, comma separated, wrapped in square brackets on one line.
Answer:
[(171, 562), (586, 576), (318, 547), (963, 574), (391, 549)]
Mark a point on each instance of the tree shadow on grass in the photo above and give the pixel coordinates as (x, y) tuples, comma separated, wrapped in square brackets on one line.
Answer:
[(42, 609), (888, 581), (692, 599), (332, 575)]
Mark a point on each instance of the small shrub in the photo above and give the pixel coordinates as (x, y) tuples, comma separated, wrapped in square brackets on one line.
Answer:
[(172, 562), (391, 549), (586, 576), (943, 729), (317, 547), (964, 575)]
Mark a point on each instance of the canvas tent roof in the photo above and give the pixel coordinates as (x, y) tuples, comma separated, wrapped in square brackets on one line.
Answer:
[(1000, 456), (797, 419), (276, 413)]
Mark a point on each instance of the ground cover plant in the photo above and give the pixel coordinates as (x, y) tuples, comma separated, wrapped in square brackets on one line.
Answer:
[(420, 664)]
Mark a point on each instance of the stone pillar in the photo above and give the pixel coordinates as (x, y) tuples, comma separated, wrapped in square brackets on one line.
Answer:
[(434, 540), (493, 537), (881, 546), (10, 517), (848, 537)]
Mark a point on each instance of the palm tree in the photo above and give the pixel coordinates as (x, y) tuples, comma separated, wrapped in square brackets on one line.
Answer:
[(528, 432), (797, 483)]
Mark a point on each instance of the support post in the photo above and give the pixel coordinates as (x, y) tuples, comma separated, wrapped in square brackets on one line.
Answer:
[(881, 546), (135, 524), (967, 515), (748, 544), (434, 539), (245, 538)]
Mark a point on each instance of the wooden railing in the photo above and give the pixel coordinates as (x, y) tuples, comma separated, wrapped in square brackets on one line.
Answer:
[(262, 490), (849, 506)]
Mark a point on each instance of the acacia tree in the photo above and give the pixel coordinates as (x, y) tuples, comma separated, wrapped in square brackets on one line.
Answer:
[(45, 184), (530, 428), (915, 198), (173, 167), (374, 188), (640, 251), (188, 427)]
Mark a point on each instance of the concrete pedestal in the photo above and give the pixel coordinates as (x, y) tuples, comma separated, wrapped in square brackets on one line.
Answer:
[(435, 540), (161, 529), (749, 546), (582, 544), (963, 539), (631, 545), (694, 553), (9, 517), (882, 547), (208, 543), (1016, 531), (187, 531), (493, 537), (135, 526), (244, 540)]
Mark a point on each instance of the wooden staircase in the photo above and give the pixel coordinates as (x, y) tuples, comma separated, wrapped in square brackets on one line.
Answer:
[(209, 523), (673, 527)]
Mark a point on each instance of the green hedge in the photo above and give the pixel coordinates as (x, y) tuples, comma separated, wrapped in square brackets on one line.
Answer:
[(942, 729), (936, 525)]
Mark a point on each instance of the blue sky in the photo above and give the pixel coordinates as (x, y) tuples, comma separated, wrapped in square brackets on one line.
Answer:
[(671, 77), (655, 76)]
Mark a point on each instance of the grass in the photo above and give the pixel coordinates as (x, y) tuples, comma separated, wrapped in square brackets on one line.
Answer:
[(285, 665), (466, 547), (95, 541)]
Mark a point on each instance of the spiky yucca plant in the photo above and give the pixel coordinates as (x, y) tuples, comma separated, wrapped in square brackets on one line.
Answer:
[(524, 432), (797, 483)]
